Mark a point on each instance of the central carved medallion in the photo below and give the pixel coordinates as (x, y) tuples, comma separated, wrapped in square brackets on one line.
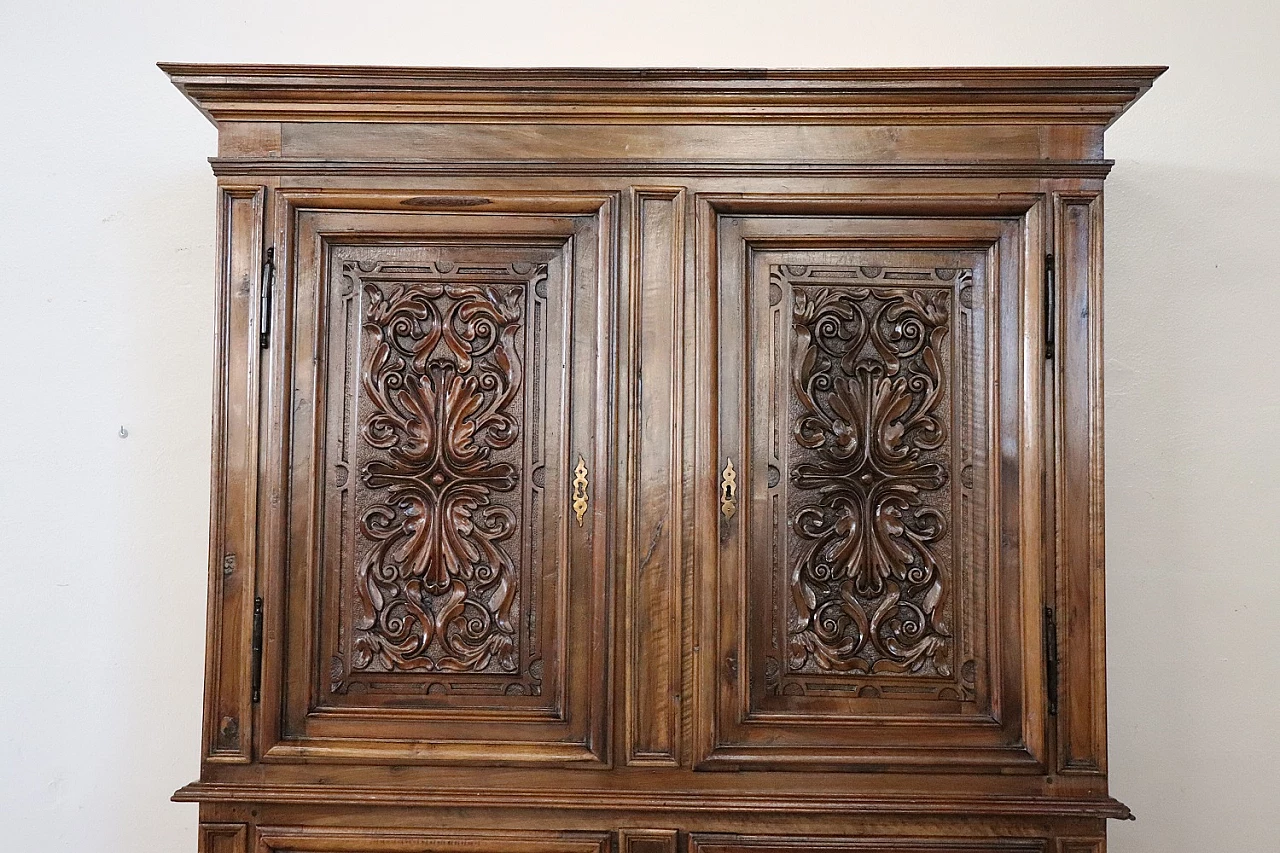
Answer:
[(441, 376)]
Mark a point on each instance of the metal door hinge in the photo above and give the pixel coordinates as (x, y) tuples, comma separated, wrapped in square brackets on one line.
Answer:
[(1051, 659), (1050, 306), (256, 650), (264, 305)]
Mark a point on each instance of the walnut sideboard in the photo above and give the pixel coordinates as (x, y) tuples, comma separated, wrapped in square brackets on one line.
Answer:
[(657, 461)]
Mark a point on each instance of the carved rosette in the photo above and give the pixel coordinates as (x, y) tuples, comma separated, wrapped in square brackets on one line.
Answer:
[(869, 499), (438, 465)]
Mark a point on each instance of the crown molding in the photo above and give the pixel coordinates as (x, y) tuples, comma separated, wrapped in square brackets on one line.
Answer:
[(1049, 95), (310, 167)]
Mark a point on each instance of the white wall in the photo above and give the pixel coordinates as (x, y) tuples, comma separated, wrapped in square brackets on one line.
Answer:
[(106, 232)]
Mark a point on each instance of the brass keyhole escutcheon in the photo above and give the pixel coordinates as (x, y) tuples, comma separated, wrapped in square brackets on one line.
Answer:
[(728, 489), (580, 496)]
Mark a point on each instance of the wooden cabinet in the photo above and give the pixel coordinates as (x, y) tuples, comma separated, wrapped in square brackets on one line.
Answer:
[(657, 461)]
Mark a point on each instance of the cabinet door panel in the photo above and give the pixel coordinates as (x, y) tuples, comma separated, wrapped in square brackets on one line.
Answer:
[(714, 843), (445, 583), (878, 576), (298, 839)]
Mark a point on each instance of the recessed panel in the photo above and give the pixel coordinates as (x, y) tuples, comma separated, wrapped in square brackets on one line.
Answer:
[(714, 843), (306, 839), (436, 472), (877, 410)]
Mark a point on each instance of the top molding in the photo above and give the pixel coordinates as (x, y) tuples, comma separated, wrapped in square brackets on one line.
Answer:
[(1094, 96)]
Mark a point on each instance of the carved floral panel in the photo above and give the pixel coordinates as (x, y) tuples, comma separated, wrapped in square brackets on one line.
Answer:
[(434, 484), (869, 572), (870, 433)]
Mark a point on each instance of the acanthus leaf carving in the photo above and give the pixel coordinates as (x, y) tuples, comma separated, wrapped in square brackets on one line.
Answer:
[(868, 571), (436, 583)]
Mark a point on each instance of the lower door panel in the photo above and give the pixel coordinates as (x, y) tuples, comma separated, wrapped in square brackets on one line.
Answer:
[(295, 839), (834, 844)]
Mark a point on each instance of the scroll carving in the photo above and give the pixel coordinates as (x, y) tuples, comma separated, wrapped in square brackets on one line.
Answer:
[(869, 500), (439, 435)]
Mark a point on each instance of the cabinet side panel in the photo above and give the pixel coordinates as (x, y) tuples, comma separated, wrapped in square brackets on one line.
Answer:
[(233, 506), (653, 617), (1082, 714)]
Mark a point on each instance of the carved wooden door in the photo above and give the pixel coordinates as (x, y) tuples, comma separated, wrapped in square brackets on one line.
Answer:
[(878, 574), (438, 547)]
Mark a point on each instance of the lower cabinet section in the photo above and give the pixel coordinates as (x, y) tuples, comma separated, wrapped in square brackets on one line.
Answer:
[(883, 844), (710, 843), (277, 839), (241, 838)]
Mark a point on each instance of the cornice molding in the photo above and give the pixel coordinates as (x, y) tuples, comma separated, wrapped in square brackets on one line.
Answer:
[(230, 166), (1067, 95)]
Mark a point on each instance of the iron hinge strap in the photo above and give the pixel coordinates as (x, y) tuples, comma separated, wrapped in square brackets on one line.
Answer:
[(1050, 307), (1051, 659), (264, 306), (256, 650)]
